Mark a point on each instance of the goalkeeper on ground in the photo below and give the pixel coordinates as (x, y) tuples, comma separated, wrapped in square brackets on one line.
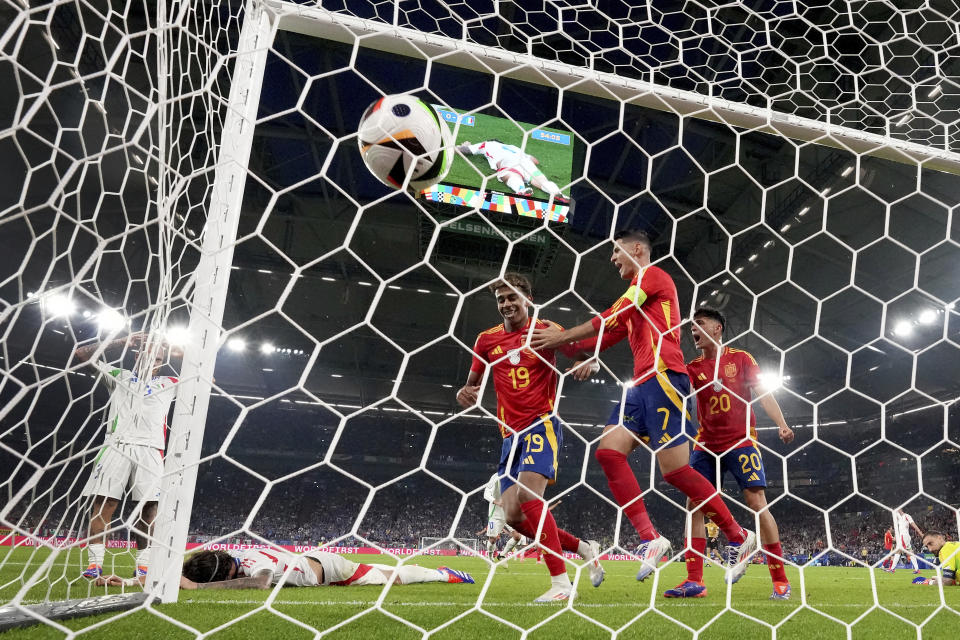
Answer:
[(514, 167), (949, 555)]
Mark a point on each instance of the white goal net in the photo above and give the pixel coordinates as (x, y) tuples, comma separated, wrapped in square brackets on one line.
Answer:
[(185, 219)]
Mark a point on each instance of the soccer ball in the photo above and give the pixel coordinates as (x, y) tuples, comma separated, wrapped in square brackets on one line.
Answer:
[(401, 136)]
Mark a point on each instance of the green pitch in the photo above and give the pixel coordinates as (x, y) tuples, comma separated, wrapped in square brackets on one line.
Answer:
[(556, 160), (838, 594)]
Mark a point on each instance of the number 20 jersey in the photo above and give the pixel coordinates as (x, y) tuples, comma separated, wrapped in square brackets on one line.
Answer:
[(725, 419)]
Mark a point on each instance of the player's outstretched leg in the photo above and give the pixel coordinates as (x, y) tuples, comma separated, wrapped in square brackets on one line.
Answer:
[(415, 574), (742, 543), (611, 453)]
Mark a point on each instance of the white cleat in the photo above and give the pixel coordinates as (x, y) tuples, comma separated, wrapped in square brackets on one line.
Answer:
[(738, 557), (556, 594), (650, 553), (593, 563)]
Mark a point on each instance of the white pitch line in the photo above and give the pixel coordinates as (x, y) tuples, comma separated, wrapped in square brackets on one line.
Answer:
[(595, 605)]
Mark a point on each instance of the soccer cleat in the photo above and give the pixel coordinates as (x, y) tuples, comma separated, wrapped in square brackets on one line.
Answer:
[(556, 594), (650, 553), (93, 571), (141, 570), (687, 589), (916, 572), (593, 563), (526, 192), (781, 591), (456, 577), (738, 557)]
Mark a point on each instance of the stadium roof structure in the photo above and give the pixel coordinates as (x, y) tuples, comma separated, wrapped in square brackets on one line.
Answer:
[(803, 290)]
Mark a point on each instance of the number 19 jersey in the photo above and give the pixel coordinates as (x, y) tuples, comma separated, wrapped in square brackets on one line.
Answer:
[(525, 382), (725, 419)]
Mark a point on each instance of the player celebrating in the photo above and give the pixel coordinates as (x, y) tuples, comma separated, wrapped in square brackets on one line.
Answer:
[(903, 523), (724, 379), (653, 409), (261, 568), (526, 387), (948, 553), (888, 547), (132, 453), (514, 167)]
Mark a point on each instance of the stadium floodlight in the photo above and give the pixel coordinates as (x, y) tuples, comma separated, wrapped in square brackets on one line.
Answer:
[(177, 336), (927, 316), (267, 347), (110, 320), (770, 380), (58, 304), (903, 329), (236, 344)]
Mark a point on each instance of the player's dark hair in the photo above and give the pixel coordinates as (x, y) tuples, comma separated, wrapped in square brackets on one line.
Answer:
[(208, 566), (713, 314), (635, 235), (515, 280), (934, 533)]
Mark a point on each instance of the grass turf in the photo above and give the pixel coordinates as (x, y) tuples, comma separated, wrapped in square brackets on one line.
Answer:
[(834, 596), (556, 160)]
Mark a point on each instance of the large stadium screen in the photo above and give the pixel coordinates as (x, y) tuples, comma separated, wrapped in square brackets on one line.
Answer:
[(522, 163)]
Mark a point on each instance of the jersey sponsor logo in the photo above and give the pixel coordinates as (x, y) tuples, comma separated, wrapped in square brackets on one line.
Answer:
[(497, 351), (702, 376), (550, 136), (528, 460), (753, 477), (730, 370), (665, 438)]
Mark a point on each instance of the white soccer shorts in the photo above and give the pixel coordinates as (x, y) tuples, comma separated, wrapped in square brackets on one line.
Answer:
[(496, 522), (119, 466)]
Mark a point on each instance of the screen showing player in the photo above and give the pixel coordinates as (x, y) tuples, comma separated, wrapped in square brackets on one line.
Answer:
[(522, 171)]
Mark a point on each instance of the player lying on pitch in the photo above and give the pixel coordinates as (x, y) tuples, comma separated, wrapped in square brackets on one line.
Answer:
[(261, 568), (949, 555), (515, 168)]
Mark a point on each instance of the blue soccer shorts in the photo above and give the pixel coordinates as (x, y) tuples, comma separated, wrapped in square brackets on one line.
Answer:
[(745, 464), (536, 449), (656, 410)]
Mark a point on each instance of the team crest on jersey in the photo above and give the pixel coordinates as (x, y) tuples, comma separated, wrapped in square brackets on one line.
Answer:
[(730, 370), (514, 356)]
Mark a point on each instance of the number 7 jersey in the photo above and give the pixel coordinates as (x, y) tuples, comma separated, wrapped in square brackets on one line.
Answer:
[(723, 392)]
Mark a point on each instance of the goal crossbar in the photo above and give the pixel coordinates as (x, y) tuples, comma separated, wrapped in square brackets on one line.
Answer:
[(316, 22)]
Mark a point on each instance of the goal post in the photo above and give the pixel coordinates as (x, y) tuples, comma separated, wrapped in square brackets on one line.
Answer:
[(211, 280)]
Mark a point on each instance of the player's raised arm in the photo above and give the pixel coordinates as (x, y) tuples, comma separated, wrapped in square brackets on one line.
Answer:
[(84, 353)]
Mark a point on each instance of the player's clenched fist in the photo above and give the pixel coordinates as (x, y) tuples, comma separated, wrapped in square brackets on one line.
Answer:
[(467, 396)]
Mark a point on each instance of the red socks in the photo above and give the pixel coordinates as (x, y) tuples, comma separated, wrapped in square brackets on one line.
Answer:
[(624, 486), (568, 541), (549, 539), (695, 560), (777, 572), (698, 489)]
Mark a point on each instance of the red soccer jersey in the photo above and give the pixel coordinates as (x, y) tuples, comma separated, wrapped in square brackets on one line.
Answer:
[(723, 416), (650, 312), (526, 385), (887, 540)]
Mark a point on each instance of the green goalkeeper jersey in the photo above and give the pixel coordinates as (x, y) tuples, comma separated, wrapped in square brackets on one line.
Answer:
[(950, 560)]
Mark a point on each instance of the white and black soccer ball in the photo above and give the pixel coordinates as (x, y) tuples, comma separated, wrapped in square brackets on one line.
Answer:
[(400, 136)]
